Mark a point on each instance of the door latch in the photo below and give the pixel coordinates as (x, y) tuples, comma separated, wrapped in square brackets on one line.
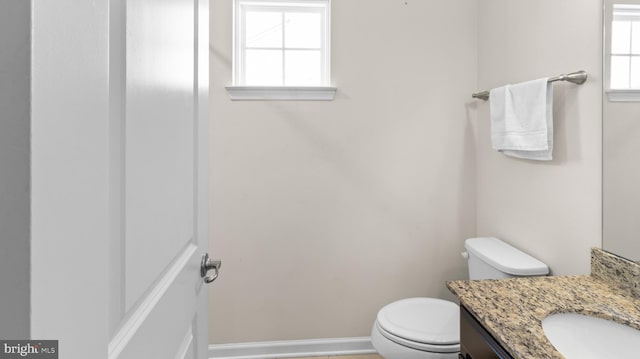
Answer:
[(208, 264)]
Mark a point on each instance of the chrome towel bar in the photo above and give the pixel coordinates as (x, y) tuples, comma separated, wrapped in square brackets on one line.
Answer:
[(578, 77)]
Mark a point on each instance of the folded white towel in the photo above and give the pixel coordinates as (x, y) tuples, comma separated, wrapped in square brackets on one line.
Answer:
[(522, 119)]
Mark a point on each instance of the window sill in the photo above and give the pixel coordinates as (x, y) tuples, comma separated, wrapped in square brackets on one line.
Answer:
[(281, 93), (618, 95)]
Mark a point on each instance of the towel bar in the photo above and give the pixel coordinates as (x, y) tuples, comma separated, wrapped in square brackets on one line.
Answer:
[(578, 77)]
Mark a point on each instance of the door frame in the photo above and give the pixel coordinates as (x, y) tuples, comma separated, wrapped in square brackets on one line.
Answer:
[(69, 165)]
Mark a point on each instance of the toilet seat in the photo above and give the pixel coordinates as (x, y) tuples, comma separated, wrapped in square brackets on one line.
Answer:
[(426, 324), (431, 348)]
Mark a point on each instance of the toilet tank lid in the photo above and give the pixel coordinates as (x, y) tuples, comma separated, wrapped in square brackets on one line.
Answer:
[(504, 257)]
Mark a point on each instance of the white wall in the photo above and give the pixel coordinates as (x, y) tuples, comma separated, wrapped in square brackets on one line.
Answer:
[(551, 210), (322, 212), (15, 31)]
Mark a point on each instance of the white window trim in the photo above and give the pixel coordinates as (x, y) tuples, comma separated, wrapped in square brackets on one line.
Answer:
[(623, 95), (294, 93), (312, 93)]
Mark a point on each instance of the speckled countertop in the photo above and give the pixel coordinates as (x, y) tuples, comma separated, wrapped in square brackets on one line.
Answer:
[(512, 310)]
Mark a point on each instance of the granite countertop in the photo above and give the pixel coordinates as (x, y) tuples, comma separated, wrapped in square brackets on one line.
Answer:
[(512, 310)]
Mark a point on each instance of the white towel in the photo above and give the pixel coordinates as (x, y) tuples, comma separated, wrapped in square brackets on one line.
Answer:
[(522, 119)]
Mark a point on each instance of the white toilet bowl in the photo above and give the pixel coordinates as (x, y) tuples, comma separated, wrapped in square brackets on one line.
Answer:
[(417, 328)]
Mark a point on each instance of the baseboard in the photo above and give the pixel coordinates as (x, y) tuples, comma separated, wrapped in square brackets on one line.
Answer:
[(292, 348)]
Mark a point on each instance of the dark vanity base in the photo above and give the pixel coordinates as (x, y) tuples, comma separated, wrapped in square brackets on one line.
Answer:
[(476, 342)]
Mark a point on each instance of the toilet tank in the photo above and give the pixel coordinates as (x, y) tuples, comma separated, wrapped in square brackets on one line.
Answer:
[(491, 258)]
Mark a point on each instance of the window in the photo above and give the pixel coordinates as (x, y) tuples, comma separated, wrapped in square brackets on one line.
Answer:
[(281, 48), (625, 47)]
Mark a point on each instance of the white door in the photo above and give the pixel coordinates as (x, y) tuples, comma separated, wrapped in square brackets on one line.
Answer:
[(142, 182)]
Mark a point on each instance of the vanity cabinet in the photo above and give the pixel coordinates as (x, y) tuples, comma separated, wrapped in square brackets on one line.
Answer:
[(475, 340)]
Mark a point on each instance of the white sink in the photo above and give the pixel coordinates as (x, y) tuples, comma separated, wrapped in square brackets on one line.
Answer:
[(579, 336)]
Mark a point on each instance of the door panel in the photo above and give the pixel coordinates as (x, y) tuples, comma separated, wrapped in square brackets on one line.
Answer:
[(159, 130), (157, 327), (186, 349)]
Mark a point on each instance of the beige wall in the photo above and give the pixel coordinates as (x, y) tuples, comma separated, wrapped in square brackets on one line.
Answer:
[(322, 212), (621, 175), (551, 210)]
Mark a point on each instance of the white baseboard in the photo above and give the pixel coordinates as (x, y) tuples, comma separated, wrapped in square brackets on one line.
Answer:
[(292, 348)]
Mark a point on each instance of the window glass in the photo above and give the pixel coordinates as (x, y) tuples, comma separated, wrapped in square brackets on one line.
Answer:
[(635, 38), (303, 30), (620, 37), (619, 72), (634, 74), (302, 67), (263, 67), (263, 29)]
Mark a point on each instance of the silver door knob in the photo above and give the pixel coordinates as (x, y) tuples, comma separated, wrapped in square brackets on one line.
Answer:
[(208, 264)]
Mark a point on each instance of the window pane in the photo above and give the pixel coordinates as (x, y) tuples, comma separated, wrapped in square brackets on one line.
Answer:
[(263, 68), (635, 36), (263, 29), (619, 72), (302, 30), (303, 68), (620, 37), (635, 72)]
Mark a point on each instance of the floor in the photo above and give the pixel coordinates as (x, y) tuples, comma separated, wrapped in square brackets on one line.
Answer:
[(368, 356)]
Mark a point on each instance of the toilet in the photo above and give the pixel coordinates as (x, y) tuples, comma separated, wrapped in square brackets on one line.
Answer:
[(429, 328)]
